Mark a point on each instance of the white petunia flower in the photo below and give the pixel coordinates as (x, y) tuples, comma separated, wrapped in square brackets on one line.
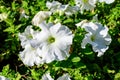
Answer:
[(27, 36), (53, 5), (56, 6), (48, 77), (86, 4), (67, 10), (55, 41), (3, 78), (40, 17), (107, 1), (31, 55), (3, 16), (97, 36)]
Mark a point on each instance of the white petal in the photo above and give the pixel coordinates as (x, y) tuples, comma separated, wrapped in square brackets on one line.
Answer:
[(86, 40), (107, 1), (47, 77), (104, 31), (44, 26), (27, 35), (60, 54), (100, 54), (53, 5), (87, 5), (64, 77), (54, 29), (81, 23), (92, 2), (100, 49), (30, 56), (3, 78), (48, 52), (3, 16), (71, 10), (95, 18), (108, 39), (63, 7)]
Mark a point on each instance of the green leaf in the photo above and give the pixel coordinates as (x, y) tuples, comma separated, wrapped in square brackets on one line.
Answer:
[(9, 22), (18, 76), (76, 59), (89, 53), (34, 74), (117, 76), (13, 5), (24, 4), (68, 21), (17, 27), (5, 70), (9, 29)]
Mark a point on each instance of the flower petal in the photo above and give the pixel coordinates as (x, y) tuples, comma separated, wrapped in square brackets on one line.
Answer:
[(47, 77), (64, 77)]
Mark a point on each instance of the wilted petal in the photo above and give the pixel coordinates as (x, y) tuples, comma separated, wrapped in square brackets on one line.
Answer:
[(23, 14), (40, 17), (3, 16)]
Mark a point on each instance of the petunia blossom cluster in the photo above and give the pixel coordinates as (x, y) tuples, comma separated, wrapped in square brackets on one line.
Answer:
[(53, 41)]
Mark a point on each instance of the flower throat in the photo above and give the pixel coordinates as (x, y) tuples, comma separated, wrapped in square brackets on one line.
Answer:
[(51, 39)]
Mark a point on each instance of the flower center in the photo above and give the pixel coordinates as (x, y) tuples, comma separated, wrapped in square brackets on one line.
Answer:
[(92, 38), (29, 36), (51, 39), (85, 1)]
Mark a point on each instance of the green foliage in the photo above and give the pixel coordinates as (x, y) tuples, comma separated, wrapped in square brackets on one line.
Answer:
[(7, 72)]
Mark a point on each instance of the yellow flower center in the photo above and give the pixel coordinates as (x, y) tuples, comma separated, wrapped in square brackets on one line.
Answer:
[(51, 39), (92, 38), (29, 36), (85, 1)]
